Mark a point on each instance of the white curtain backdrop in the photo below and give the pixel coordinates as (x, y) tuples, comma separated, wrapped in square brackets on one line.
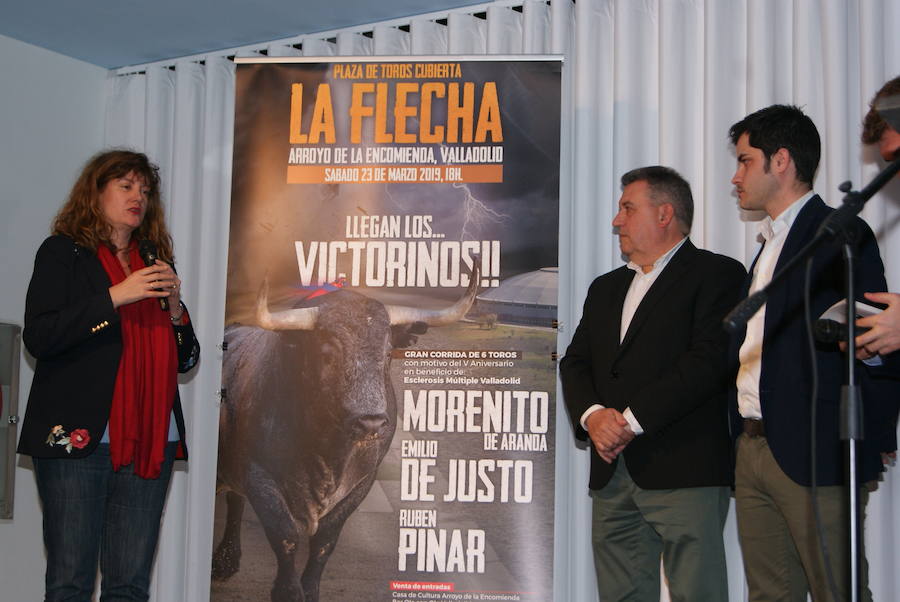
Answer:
[(645, 82)]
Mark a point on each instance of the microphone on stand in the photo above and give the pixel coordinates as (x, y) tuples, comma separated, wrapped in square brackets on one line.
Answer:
[(147, 250)]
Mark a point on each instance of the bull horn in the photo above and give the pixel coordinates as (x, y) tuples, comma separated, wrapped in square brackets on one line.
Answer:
[(400, 314), (290, 319)]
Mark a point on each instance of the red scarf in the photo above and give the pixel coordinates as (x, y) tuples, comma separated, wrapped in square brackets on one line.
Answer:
[(145, 384)]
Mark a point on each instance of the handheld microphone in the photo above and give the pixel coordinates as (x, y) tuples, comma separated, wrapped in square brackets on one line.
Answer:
[(829, 331), (832, 331), (147, 250)]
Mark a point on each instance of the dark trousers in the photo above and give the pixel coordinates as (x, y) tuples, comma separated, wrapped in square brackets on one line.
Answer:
[(633, 528), (92, 512)]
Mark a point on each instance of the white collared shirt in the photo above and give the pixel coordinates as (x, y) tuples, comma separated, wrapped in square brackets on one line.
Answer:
[(775, 232), (640, 284), (637, 290)]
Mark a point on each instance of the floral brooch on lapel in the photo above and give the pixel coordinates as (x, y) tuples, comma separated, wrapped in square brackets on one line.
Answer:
[(78, 438)]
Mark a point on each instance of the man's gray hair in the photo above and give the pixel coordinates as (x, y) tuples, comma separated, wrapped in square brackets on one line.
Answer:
[(666, 186)]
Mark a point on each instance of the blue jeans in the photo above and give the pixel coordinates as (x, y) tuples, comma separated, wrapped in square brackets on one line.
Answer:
[(90, 511)]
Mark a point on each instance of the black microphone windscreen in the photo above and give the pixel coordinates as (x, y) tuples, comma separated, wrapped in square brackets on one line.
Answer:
[(737, 318), (829, 331), (147, 250), (832, 331)]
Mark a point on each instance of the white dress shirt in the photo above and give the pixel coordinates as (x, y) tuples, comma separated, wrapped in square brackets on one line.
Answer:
[(640, 284), (775, 232)]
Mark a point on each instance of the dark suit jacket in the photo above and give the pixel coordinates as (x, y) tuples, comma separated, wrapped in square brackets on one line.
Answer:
[(74, 333), (785, 376), (670, 369)]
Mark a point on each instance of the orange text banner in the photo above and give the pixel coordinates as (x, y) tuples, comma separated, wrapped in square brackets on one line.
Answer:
[(441, 174)]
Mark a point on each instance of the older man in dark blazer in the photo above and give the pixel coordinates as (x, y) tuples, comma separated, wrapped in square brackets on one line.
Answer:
[(645, 381)]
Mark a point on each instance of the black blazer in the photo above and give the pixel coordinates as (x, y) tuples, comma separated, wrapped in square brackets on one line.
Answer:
[(671, 369), (74, 334), (785, 375)]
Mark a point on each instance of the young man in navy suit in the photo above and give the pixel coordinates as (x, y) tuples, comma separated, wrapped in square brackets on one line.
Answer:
[(645, 380), (778, 150)]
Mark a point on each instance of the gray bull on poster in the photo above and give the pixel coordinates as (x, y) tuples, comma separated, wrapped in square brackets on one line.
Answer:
[(309, 415)]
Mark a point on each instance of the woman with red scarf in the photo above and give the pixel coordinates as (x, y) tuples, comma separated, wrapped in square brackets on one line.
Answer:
[(104, 423)]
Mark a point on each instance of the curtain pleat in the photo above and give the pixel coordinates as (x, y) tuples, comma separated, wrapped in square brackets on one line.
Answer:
[(428, 37), (504, 30), (644, 82), (159, 121), (282, 50), (536, 31), (391, 40), (466, 34), (319, 47), (351, 43)]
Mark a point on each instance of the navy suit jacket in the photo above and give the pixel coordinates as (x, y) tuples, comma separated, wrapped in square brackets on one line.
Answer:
[(786, 374), (670, 368)]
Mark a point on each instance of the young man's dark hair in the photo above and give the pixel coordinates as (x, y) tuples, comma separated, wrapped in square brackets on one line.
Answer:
[(783, 126)]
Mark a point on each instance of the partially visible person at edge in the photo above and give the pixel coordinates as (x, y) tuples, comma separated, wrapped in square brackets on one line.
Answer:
[(778, 150), (104, 423), (882, 340), (883, 336)]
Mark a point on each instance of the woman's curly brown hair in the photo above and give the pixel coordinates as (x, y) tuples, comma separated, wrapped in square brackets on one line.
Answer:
[(81, 218)]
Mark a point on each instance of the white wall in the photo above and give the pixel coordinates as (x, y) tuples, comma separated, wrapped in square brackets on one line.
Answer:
[(51, 119)]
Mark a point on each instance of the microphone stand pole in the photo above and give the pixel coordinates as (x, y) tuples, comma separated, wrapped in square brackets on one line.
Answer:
[(834, 226), (852, 424)]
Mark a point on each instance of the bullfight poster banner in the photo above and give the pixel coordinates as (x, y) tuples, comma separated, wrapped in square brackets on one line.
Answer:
[(387, 423)]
